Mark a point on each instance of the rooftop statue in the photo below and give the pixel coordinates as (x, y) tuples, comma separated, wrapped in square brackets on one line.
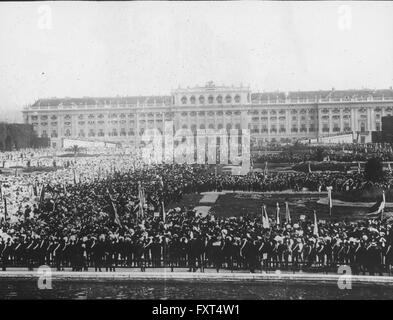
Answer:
[(210, 84)]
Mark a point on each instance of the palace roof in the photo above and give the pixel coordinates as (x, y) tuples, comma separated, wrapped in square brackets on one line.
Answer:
[(362, 94), (103, 101), (293, 96)]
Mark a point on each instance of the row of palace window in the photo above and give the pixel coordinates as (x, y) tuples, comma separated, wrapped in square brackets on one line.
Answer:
[(282, 111), (294, 118), (254, 119), (53, 134), (211, 113), (388, 110), (110, 116), (170, 115), (282, 129), (302, 128), (101, 133), (323, 111), (149, 115), (210, 99), (347, 128), (91, 133), (325, 125), (123, 131), (253, 129)]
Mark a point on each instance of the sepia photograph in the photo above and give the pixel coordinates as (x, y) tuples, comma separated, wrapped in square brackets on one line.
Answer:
[(210, 151)]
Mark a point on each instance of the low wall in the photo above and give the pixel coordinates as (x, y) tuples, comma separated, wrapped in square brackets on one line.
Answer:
[(199, 277)]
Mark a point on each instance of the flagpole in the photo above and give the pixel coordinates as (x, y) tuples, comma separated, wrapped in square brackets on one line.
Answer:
[(141, 202), (329, 190), (162, 198), (5, 208), (262, 215), (163, 212)]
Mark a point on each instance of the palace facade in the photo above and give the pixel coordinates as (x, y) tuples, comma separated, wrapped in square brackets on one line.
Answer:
[(271, 116)]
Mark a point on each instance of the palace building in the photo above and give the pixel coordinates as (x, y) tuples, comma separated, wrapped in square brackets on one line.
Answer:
[(271, 116)]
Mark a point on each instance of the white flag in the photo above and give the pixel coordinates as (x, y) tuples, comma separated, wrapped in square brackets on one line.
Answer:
[(315, 232), (287, 213), (265, 218)]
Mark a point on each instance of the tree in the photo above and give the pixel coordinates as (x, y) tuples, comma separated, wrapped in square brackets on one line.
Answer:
[(16, 135), (373, 170)]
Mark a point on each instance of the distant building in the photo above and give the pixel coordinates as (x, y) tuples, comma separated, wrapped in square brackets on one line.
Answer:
[(271, 116)]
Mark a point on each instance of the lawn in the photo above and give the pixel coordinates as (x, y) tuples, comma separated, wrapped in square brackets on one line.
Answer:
[(188, 201), (235, 204), (241, 204)]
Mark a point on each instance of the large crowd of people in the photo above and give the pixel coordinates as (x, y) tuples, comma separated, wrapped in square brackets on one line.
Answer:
[(338, 152), (109, 211)]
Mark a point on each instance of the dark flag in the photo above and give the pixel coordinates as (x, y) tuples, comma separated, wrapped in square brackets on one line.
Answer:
[(114, 209), (35, 189), (5, 208), (163, 212), (42, 195), (74, 177)]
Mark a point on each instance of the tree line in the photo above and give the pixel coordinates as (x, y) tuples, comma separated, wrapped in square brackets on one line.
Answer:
[(14, 136)]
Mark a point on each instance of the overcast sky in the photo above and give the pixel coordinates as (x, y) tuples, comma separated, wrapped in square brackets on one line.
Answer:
[(139, 48)]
